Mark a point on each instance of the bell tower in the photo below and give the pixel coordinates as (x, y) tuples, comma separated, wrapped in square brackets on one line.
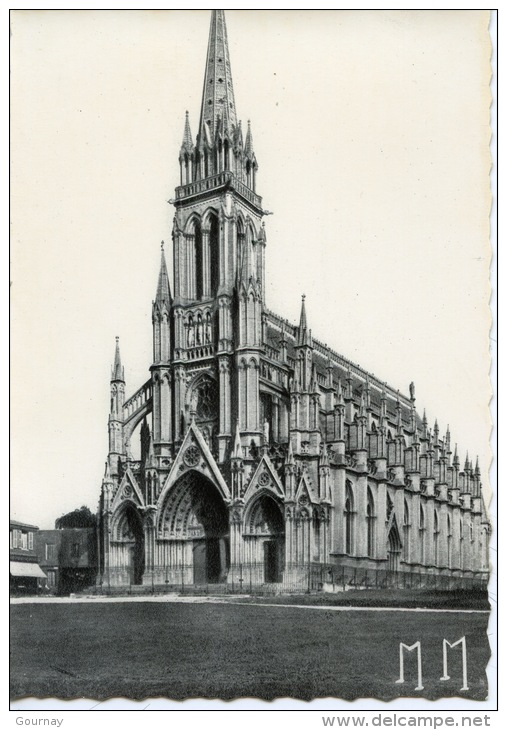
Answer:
[(218, 244)]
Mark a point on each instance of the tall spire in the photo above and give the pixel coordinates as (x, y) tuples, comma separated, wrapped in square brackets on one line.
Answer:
[(218, 94), (118, 372), (163, 288)]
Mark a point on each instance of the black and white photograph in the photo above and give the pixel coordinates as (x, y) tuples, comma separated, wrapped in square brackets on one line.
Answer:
[(250, 360)]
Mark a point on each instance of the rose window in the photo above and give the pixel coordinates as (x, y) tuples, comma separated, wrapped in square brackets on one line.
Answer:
[(191, 456), (264, 479)]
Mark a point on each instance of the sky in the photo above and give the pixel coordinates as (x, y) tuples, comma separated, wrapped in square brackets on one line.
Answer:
[(371, 130)]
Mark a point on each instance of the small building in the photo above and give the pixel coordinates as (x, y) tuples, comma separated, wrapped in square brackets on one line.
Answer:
[(68, 558), (26, 576)]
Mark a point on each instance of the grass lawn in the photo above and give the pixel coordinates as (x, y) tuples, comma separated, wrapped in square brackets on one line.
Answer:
[(178, 651), (474, 600)]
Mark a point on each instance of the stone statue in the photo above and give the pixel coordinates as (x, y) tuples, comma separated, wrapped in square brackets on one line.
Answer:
[(208, 328), (265, 429), (198, 332), (191, 332)]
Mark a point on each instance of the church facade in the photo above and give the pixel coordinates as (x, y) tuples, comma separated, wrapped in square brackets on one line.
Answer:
[(263, 453)]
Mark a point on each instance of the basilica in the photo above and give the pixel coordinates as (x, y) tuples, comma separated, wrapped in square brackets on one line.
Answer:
[(267, 458)]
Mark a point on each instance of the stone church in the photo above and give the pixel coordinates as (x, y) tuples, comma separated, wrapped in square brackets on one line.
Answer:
[(265, 456)]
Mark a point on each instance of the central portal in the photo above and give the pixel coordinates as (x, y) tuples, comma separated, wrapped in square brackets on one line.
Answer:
[(197, 519), (211, 560)]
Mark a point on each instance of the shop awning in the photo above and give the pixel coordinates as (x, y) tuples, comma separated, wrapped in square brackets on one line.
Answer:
[(26, 570)]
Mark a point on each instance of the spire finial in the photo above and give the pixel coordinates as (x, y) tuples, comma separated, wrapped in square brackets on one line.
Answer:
[(218, 93), (118, 373)]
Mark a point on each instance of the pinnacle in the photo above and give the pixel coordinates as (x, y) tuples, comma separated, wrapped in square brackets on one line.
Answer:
[(249, 152), (118, 372), (163, 288), (304, 337), (187, 144)]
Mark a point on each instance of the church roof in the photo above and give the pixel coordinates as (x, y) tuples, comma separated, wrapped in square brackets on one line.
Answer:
[(218, 94), (341, 368)]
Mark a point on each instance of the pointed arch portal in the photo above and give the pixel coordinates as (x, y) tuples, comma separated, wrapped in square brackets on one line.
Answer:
[(130, 535), (195, 513), (266, 524)]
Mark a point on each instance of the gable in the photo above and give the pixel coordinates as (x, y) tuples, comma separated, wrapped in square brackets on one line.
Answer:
[(265, 477), (305, 492), (194, 455), (128, 489)]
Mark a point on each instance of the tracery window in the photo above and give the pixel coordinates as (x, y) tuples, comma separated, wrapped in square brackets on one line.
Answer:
[(422, 528), (449, 541), (349, 518), (461, 542), (435, 537), (370, 525), (406, 532), (205, 399)]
